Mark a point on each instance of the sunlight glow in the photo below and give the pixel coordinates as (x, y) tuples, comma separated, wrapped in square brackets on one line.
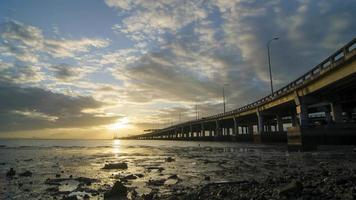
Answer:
[(122, 123)]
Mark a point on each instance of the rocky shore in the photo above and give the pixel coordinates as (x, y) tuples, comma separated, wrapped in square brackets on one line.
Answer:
[(177, 173), (324, 181)]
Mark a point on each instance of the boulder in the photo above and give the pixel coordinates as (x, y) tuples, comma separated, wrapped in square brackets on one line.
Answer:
[(115, 166), (119, 190)]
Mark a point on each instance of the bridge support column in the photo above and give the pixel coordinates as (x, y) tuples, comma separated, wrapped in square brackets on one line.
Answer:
[(191, 131), (217, 130), (336, 112), (297, 135), (260, 128), (235, 129), (279, 123)]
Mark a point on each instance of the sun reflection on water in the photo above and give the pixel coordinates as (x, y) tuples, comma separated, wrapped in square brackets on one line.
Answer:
[(116, 146)]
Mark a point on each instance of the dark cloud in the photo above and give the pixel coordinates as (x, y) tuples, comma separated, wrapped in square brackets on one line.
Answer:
[(30, 108)]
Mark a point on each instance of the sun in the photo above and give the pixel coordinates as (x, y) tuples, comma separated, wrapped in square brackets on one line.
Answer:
[(120, 124)]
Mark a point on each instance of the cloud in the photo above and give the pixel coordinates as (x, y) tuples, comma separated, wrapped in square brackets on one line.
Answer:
[(30, 108), (151, 20), (25, 42), (68, 48), (21, 73), (66, 72)]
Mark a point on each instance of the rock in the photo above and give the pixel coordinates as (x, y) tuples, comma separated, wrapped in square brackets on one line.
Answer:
[(26, 174), (11, 173), (174, 176), (139, 175), (170, 159), (115, 166), (117, 191), (73, 197), (58, 175), (207, 178), (159, 169), (52, 189), (291, 188), (130, 177), (158, 182), (86, 181)]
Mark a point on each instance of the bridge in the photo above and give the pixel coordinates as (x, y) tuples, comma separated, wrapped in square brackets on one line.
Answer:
[(317, 108)]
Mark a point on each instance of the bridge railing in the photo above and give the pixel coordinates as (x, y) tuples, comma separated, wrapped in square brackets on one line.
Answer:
[(333, 61), (329, 63)]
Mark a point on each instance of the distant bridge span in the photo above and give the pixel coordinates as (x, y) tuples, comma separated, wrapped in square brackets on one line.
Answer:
[(317, 108)]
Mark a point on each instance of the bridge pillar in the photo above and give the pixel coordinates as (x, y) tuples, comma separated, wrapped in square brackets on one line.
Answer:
[(217, 127), (279, 123), (336, 112), (260, 127), (235, 129), (203, 129), (190, 131), (297, 135)]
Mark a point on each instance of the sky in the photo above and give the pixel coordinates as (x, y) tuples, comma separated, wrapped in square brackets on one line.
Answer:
[(89, 69)]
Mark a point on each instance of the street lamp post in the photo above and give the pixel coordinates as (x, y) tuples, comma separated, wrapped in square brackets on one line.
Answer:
[(269, 62), (223, 92)]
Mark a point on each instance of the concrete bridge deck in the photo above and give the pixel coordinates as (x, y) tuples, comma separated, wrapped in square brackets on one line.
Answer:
[(317, 108)]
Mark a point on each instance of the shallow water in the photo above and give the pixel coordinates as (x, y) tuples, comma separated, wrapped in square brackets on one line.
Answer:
[(193, 163)]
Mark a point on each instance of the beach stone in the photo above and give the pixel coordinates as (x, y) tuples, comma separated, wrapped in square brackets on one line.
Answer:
[(70, 197), (291, 188), (119, 190), (139, 175), (58, 175), (26, 174), (130, 177), (170, 159), (174, 176), (11, 173), (86, 181), (115, 166), (158, 182), (207, 178)]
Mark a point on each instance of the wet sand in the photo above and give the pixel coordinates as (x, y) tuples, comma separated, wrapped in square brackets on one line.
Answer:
[(173, 170)]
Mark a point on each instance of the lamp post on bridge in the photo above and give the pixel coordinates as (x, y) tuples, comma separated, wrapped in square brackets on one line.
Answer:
[(269, 62), (223, 92)]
